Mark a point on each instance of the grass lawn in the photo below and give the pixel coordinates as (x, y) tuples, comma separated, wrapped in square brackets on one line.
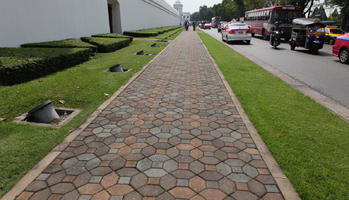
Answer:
[(314, 153), (83, 86)]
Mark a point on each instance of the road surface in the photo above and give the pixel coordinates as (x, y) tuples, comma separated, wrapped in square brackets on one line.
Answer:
[(321, 72)]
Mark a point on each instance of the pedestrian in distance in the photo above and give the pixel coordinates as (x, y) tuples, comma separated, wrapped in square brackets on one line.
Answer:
[(194, 26), (186, 24)]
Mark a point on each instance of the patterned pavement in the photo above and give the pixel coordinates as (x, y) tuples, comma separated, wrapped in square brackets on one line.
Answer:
[(174, 133)]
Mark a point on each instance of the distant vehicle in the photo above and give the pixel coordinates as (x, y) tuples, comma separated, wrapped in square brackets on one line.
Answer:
[(308, 33), (262, 21), (221, 24), (332, 32), (341, 48), (207, 26), (236, 32), (215, 22)]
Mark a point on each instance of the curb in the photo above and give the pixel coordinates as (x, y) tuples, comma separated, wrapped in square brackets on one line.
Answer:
[(281, 179), (43, 163)]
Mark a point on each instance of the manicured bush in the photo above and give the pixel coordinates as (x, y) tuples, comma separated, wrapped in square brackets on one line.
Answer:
[(25, 64), (141, 34), (107, 44), (113, 35), (68, 43), (151, 32)]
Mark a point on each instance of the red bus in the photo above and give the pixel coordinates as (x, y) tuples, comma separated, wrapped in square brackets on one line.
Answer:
[(261, 21)]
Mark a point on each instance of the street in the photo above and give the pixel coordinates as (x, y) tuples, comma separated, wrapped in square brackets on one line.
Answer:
[(321, 72)]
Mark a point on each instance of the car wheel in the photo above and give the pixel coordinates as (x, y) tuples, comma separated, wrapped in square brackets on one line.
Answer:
[(275, 45), (248, 41), (331, 42), (315, 50), (344, 56)]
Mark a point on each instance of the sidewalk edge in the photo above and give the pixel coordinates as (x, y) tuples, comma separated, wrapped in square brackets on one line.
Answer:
[(281, 179), (19, 187)]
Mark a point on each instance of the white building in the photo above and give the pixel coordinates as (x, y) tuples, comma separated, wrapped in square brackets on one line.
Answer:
[(183, 16), (24, 21), (186, 16), (179, 7)]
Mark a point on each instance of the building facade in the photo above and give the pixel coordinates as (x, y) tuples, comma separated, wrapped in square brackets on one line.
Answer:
[(25, 21), (186, 16), (179, 7)]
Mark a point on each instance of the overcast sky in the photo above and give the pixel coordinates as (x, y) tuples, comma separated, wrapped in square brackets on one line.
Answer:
[(194, 5)]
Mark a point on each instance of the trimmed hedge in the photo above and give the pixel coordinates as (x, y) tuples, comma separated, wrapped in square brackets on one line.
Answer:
[(24, 64), (68, 43), (113, 35), (141, 34), (151, 32), (107, 44)]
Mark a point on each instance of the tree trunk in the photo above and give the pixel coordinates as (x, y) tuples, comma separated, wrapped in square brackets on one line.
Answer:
[(345, 18)]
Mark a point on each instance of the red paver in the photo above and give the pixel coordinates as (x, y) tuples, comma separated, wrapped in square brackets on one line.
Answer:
[(172, 133)]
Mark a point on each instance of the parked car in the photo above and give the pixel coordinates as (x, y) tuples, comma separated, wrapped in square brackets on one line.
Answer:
[(236, 31), (332, 33), (207, 26), (341, 48)]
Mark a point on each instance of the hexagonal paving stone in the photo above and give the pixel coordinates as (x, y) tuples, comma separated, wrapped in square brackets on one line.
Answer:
[(155, 173)]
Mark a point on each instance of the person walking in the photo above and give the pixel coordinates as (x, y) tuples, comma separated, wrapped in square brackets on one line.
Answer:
[(186, 24), (194, 26)]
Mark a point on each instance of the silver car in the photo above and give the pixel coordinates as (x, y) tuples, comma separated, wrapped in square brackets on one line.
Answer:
[(236, 32)]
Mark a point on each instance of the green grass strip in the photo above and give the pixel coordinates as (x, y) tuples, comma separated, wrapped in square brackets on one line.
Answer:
[(84, 87), (314, 153)]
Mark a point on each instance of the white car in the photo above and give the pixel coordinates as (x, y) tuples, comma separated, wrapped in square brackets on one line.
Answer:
[(236, 32)]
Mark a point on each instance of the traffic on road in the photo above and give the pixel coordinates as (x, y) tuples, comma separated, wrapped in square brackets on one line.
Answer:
[(298, 47)]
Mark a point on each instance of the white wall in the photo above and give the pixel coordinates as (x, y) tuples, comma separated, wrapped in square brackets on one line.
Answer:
[(144, 14), (24, 21)]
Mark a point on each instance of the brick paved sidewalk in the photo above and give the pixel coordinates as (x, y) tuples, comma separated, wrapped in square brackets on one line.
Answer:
[(174, 133)]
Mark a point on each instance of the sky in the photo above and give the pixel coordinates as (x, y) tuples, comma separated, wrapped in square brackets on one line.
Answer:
[(194, 5)]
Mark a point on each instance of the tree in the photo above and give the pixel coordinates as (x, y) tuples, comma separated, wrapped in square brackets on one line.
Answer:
[(344, 4), (319, 12)]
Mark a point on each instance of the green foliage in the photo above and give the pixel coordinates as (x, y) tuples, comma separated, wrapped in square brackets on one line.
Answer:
[(113, 35), (335, 16), (319, 11), (25, 64), (151, 32), (141, 33), (309, 142), (107, 44), (68, 43), (228, 9), (344, 16)]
